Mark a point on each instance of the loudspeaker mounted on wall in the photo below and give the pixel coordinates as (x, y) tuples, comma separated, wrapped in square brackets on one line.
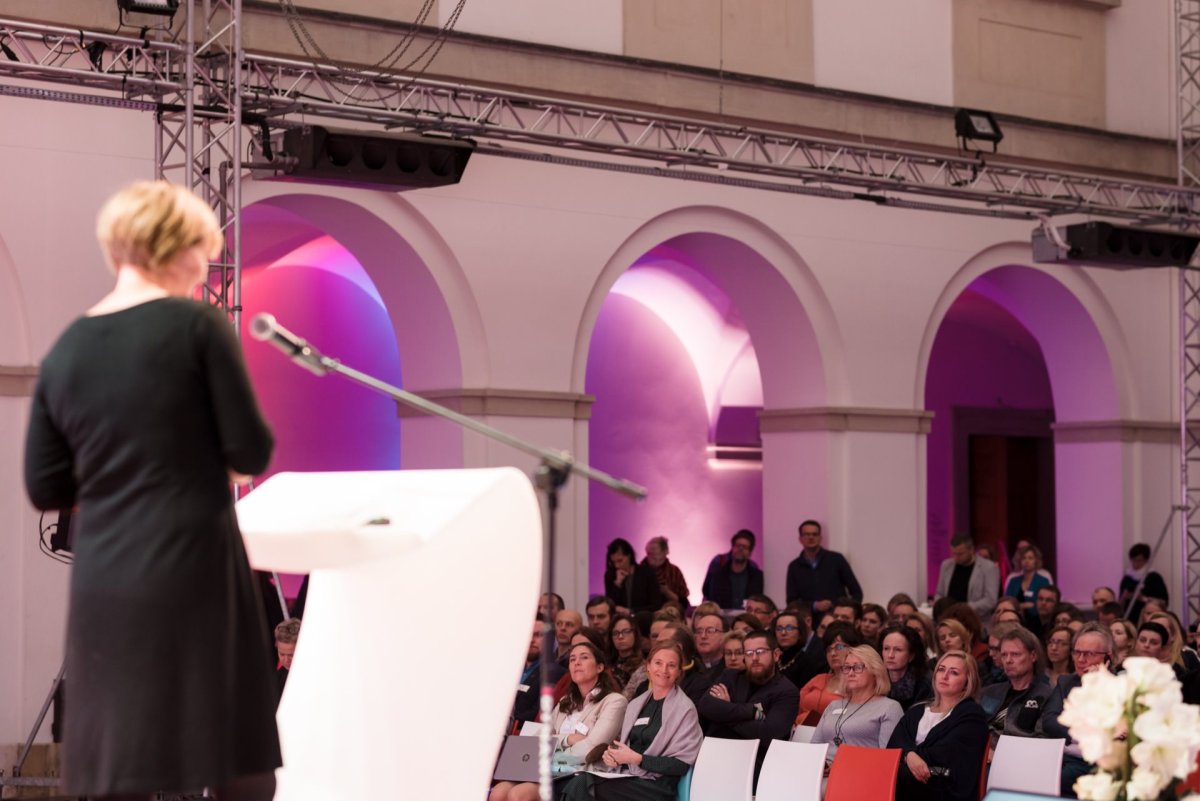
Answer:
[(1107, 245), (314, 154)]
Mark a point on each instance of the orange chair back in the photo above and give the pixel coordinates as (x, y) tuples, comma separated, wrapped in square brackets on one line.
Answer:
[(1192, 783), (860, 773)]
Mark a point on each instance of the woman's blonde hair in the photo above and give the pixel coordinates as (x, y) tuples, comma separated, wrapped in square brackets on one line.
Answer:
[(969, 665), (1175, 646), (149, 223), (874, 664), (956, 628)]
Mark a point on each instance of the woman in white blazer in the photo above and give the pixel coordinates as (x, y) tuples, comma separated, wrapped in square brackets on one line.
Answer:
[(590, 714)]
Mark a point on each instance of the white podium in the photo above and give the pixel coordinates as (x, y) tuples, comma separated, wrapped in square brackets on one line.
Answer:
[(423, 588)]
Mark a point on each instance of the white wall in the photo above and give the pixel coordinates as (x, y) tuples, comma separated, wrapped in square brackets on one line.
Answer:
[(1140, 70)]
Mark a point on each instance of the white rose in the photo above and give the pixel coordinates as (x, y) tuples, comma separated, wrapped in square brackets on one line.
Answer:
[(1170, 739), (1165, 759), (1097, 787), (1144, 785), (1099, 702)]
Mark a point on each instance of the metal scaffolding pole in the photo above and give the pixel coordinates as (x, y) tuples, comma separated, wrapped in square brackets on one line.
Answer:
[(1187, 32)]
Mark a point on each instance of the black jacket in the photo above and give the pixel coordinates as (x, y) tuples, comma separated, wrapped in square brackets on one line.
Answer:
[(1024, 715), (718, 581), (735, 719), (829, 580), (639, 593), (956, 744)]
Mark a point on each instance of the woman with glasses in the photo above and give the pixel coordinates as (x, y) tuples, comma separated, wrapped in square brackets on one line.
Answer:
[(659, 740), (735, 650), (624, 648), (865, 716), (792, 636), (1058, 653), (941, 742), (825, 688), (907, 668), (590, 714)]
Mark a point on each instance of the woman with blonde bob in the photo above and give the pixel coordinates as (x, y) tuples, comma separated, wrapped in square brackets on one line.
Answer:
[(866, 716), (142, 415), (942, 741)]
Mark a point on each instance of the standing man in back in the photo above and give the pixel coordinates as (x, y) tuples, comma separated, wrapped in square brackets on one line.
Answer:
[(817, 576), (733, 577), (969, 578)]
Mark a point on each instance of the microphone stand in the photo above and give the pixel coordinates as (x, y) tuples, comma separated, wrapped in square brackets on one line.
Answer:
[(553, 470)]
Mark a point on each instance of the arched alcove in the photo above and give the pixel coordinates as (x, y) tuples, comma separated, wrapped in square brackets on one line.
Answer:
[(1011, 351), (695, 325)]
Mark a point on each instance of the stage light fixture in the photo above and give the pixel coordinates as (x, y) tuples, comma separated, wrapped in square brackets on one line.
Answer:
[(166, 8), (973, 125)]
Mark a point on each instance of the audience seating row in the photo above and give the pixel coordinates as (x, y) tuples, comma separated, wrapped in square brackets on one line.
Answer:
[(793, 770)]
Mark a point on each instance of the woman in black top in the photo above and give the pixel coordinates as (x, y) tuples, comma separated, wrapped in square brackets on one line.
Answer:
[(633, 586), (904, 658), (142, 415)]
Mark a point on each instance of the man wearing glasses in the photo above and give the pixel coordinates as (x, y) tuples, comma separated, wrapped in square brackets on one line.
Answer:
[(710, 645), (757, 703), (1092, 650)]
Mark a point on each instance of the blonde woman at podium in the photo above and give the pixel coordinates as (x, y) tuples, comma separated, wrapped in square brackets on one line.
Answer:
[(142, 415)]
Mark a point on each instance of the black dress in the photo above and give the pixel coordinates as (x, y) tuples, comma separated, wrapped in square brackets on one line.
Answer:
[(137, 417)]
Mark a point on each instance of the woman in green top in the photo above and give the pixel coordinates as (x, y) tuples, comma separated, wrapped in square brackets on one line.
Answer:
[(660, 740)]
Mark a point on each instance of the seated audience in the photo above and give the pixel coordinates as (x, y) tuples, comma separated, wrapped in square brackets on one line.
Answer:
[(1109, 612), (671, 582), (550, 605), (1141, 584), (706, 608), (847, 610), (1008, 616), (1024, 584), (1042, 620), (624, 648), (745, 623), (1102, 596), (763, 608), (907, 667), (970, 621), (1006, 602), (1068, 615), (941, 743), (866, 716), (710, 647), (589, 714), (566, 623), (1182, 656), (952, 636), (792, 636), (1058, 653), (586, 634), (899, 607), (1014, 706), (600, 610), (1123, 636), (286, 634), (873, 619), (633, 586), (529, 688), (824, 688), (923, 626), (996, 673), (753, 704), (1153, 641), (735, 650), (659, 740), (733, 577), (1151, 607), (1092, 650)]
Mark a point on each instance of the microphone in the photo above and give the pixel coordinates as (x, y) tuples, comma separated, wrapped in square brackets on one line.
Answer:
[(265, 328)]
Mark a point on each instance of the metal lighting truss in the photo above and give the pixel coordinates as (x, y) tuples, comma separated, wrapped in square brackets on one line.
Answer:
[(201, 86), (1187, 26)]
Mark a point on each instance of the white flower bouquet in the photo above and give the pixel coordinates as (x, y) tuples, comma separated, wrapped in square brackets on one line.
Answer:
[(1135, 728)]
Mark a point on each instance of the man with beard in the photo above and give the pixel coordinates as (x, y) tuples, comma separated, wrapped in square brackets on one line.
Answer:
[(733, 577), (529, 688), (757, 703)]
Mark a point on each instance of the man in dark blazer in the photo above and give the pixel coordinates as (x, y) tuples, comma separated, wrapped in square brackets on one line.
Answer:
[(817, 576)]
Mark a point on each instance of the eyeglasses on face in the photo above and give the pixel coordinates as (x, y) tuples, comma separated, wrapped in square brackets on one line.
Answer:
[(729, 654), (1078, 654), (848, 670), (837, 646), (622, 632), (785, 628), (753, 652), (709, 631)]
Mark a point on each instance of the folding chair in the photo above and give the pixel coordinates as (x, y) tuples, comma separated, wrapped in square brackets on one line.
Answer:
[(724, 771), (792, 772), (1027, 764), (859, 773)]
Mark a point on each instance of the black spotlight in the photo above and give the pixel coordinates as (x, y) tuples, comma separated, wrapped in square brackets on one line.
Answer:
[(972, 125), (166, 8), (345, 158), (1107, 245)]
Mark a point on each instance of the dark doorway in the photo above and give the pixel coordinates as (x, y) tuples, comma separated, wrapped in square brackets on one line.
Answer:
[(1007, 486)]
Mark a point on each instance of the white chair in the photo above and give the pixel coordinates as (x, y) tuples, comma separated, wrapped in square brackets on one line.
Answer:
[(803, 734), (531, 728), (792, 772), (1027, 764), (724, 770)]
